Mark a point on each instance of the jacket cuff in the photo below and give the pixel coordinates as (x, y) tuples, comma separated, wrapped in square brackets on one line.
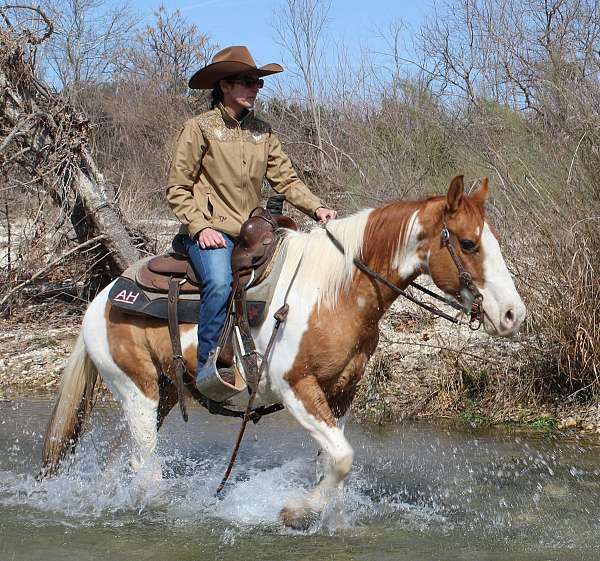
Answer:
[(313, 208), (194, 228)]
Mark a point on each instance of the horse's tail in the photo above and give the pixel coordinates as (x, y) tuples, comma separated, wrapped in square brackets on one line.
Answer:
[(71, 409)]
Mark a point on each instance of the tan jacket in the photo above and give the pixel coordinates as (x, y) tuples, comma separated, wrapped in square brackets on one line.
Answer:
[(218, 169)]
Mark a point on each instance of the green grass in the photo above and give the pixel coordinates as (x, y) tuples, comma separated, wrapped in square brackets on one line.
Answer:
[(473, 418), (544, 423)]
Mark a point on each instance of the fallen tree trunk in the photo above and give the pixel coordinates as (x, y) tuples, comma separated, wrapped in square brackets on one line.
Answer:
[(43, 135)]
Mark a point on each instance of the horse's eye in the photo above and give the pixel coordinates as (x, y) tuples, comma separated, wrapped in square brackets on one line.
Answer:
[(468, 246)]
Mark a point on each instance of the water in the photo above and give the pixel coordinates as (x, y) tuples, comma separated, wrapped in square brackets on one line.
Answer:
[(417, 492)]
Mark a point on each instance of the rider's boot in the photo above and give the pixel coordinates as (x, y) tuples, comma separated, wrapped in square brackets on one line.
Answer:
[(216, 379)]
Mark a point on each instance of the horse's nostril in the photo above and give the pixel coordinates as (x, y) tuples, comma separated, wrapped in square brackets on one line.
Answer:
[(509, 319)]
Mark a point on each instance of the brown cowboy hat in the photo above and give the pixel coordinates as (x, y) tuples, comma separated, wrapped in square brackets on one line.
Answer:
[(229, 62)]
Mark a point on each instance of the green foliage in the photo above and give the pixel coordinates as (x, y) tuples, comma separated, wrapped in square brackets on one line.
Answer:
[(473, 418), (544, 423)]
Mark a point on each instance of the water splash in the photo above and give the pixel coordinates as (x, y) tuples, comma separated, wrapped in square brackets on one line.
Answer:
[(410, 481)]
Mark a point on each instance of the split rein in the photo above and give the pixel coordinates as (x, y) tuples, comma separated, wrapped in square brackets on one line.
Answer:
[(466, 282)]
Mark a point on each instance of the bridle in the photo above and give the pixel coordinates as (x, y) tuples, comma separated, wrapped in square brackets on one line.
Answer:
[(466, 282)]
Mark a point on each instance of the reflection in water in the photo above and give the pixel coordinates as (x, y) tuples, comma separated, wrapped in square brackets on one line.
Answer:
[(418, 491)]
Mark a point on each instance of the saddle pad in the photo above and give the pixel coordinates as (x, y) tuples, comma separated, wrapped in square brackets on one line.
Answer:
[(126, 294)]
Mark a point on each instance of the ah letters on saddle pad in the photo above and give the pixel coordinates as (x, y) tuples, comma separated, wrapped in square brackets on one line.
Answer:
[(127, 295)]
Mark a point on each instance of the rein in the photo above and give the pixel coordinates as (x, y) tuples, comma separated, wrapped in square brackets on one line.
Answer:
[(280, 316), (466, 281)]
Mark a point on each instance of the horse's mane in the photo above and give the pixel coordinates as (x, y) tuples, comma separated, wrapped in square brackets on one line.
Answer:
[(324, 268)]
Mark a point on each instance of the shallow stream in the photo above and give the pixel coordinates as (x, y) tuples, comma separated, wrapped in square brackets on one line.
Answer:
[(418, 492)]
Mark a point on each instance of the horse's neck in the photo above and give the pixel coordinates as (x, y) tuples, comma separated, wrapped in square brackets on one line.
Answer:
[(393, 248)]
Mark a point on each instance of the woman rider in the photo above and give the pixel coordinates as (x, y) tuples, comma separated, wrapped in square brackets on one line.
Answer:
[(220, 161)]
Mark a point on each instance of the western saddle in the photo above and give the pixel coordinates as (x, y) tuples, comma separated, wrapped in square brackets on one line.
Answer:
[(253, 251), (252, 260)]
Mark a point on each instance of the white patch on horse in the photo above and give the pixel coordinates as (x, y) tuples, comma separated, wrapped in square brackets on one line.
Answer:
[(332, 441), (406, 261), (189, 339), (360, 302), (499, 293), (140, 411), (301, 302)]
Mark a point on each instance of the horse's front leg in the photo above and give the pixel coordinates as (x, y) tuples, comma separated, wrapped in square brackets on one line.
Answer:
[(307, 403)]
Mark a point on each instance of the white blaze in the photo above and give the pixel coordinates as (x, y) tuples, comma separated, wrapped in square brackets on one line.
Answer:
[(502, 304)]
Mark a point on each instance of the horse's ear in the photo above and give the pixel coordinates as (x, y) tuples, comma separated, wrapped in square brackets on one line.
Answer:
[(480, 195), (455, 194)]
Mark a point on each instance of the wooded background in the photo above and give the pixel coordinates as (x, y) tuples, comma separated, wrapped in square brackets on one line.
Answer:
[(91, 103)]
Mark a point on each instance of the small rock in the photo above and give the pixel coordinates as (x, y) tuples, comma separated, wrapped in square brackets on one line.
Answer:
[(569, 423)]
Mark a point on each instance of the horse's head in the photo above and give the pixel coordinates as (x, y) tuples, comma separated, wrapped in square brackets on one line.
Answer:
[(474, 244)]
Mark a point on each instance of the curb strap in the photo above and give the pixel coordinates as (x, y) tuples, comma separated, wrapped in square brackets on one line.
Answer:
[(173, 321)]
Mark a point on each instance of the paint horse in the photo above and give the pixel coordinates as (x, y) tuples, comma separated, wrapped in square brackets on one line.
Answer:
[(321, 351)]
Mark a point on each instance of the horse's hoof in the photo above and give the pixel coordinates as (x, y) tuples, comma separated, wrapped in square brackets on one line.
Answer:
[(297, 518)]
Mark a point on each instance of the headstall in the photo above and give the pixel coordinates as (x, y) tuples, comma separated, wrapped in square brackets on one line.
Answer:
[(466, 282)]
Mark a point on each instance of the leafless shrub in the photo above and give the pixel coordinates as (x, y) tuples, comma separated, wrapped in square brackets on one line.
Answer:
[(88, 37), (522, 80), (165, 53)]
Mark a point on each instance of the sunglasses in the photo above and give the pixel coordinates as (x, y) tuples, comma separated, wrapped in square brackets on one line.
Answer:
[(247, 82)]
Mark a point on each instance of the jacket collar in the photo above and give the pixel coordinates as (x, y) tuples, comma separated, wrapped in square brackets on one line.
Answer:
[(232, 120)]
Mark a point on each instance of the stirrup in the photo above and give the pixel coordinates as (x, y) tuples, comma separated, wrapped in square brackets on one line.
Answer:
[(211, 384)]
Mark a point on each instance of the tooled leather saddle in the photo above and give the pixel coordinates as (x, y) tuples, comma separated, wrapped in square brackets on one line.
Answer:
[(142, 289)]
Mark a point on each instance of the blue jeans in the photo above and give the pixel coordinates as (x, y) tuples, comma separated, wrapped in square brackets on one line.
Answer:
[(213, 270)]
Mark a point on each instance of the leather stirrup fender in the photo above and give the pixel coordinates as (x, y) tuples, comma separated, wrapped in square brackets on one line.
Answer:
[(178, 363)]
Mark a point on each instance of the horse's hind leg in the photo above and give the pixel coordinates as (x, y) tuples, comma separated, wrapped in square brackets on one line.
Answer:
[(308, 405), (118, 347), (141, 413)]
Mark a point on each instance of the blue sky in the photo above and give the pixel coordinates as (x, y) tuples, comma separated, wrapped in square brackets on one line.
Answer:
[(248, 22)]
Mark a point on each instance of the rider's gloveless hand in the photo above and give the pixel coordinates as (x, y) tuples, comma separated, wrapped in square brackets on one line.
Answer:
[(210, 239)]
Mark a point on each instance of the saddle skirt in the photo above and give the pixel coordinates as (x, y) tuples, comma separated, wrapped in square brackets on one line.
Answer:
[(142, 288)]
